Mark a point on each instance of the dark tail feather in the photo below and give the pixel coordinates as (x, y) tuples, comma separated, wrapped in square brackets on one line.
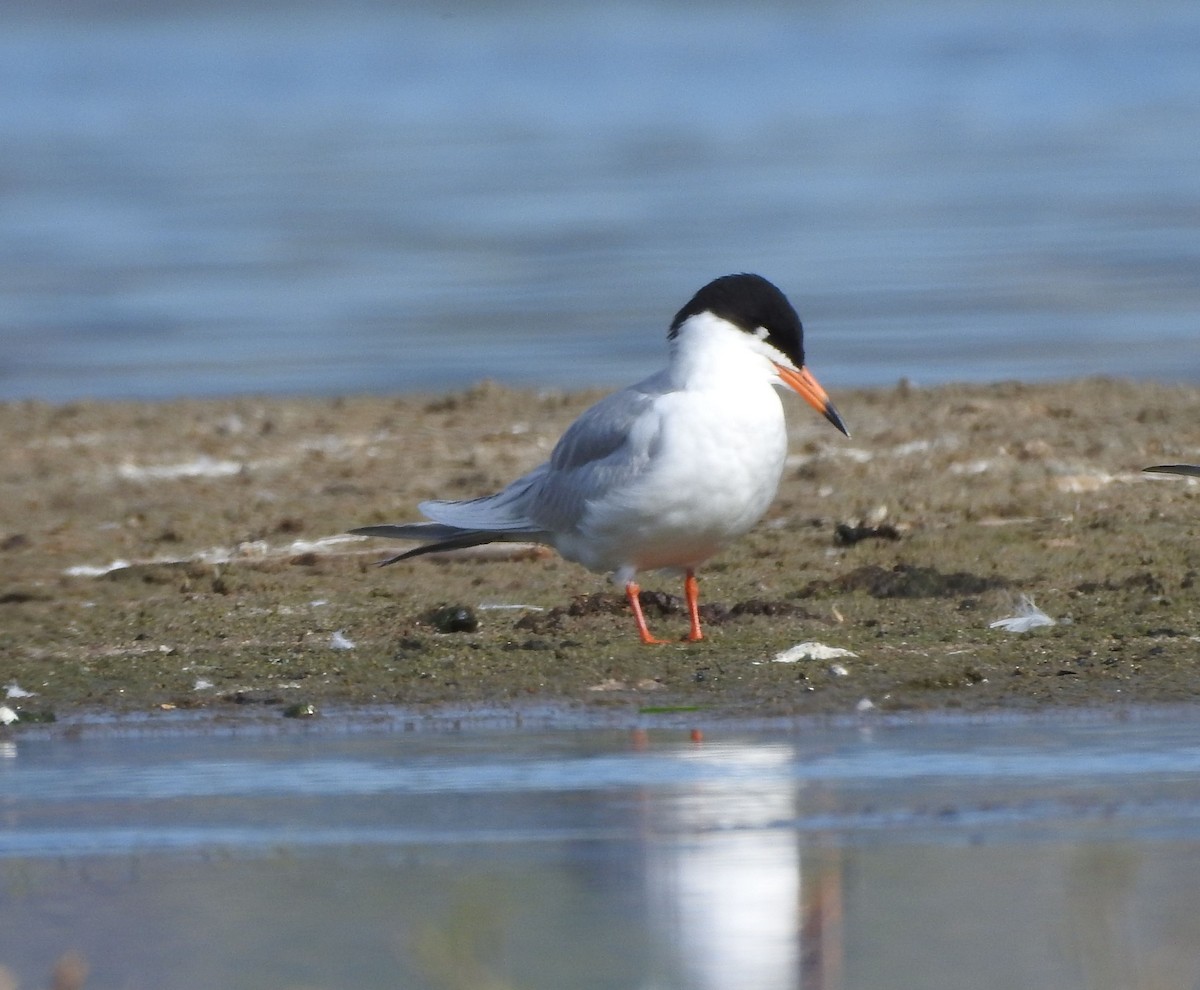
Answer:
[(443, 538), (467, 539), (1189, 469)]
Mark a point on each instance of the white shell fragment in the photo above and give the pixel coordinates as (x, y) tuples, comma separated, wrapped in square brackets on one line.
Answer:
[(1028, 616), (811, 651), (340, 641)]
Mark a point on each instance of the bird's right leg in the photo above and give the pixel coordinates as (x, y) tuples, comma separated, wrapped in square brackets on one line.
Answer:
[(691, 593), (631, 592)]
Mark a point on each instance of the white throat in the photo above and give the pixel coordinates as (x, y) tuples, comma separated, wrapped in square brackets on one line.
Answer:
[(709, 352)]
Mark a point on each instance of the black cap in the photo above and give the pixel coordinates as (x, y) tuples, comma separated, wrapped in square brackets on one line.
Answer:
[(752, 304)]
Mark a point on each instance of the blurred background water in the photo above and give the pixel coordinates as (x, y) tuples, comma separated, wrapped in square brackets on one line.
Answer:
[(203, 198)]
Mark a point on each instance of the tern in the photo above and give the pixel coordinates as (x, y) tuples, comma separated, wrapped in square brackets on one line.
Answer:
[(665, 473)]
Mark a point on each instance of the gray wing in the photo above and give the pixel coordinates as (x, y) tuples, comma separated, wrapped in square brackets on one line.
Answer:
[(596, 453), (498, 518), (600, 451), (505, 512)]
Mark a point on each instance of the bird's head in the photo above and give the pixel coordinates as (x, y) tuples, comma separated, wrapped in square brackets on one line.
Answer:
[(759, 309)]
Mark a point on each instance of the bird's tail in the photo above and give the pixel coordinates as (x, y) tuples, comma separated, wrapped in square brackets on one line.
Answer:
[(435, 537), (1187, 469)]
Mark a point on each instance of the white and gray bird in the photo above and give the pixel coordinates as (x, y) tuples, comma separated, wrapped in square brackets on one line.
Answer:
[(664, 473)]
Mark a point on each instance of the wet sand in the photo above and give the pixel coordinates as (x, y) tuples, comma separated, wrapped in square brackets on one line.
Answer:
[(189, 555)]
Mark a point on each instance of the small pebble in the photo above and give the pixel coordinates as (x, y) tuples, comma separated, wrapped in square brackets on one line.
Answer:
[(454, 619), (300, 710)]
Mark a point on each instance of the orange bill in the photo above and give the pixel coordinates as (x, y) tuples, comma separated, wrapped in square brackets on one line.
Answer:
[(810, 390)]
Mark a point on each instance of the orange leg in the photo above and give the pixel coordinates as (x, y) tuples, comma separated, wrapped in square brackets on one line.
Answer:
[(631, 592), (691, 592)]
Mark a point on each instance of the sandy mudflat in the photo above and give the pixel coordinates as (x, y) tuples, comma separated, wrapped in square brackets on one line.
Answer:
[(159, 557)]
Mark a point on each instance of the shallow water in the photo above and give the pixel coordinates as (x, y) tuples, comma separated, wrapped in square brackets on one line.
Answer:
[(201, 198), (937, 854)]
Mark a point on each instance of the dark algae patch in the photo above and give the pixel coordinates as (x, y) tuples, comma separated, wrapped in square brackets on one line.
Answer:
[(189, 555)]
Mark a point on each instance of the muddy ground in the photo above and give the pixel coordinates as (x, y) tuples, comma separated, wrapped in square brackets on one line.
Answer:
[(164, 557)]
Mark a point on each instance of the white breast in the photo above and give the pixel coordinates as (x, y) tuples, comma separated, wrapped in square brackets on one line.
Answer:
[(714, 464)]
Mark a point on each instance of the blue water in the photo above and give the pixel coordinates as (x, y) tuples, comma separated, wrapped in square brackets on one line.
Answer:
[(428, 854), (201, 198)]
